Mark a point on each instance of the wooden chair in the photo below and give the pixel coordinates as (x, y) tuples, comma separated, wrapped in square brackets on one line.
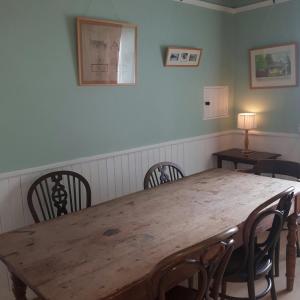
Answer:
[(58, 193), (209, 266), (161, 173), (254, 260), (274, 167)]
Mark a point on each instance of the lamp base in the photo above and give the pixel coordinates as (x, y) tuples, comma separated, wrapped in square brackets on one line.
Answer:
[(247, 151)]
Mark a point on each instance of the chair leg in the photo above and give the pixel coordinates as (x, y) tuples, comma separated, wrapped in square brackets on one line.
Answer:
[(191, 283), (251, 290), (277, 258), (223, 289), (273, 290), (298, 245)]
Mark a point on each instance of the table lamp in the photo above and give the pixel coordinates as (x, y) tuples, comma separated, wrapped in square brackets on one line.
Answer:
[(246, 121)]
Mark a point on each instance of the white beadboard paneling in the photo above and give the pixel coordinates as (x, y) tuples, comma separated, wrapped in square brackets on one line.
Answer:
[(138, 171), (76, 168), (120, 173), (194, 158), (110, 163), (162, 154), (174, 153), (181, 161), (151, 160), (118, 176), (125, 175), (26, 182), (155, 156), (168, 153), (86, 171), (103, 182), (145, 162), (132, 173), (11, 204), (94, 182), (16, 203)]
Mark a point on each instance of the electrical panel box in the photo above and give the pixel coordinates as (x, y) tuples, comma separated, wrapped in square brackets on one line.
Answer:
[(216, 100)]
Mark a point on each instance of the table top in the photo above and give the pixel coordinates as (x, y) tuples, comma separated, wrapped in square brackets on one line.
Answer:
[(94, 253), (253, 156)]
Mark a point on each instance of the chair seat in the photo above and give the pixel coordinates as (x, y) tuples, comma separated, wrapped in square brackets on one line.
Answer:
[(233, 272), (181, 293)]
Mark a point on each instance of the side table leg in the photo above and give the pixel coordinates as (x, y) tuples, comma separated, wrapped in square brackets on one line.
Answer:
[(219, 162), (291, 252), (19, 288)]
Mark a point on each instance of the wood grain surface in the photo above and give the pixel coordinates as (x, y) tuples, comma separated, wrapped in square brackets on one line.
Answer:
[(98, 252)]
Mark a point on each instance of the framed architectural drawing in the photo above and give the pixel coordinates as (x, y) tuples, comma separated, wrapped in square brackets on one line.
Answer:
[(183, 57), (274, 66), (107, 52)]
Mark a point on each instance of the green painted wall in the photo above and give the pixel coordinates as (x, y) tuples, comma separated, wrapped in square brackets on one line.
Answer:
[(278, 108), (45, 117)]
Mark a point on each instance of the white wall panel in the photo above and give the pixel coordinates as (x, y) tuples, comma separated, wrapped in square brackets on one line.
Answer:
[(132, 173), (102, 182), (111, 182)]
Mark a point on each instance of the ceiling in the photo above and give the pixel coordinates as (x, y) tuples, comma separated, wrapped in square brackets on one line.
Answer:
[(233, 3)]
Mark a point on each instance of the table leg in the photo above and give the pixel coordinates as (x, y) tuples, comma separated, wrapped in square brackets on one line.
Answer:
[(219, 162), (291, 252), (19, 288)]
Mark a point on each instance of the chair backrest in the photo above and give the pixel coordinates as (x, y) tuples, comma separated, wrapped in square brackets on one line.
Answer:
[(277, 167), (210, 266), (58, 193), (161, 173), (276, 209)]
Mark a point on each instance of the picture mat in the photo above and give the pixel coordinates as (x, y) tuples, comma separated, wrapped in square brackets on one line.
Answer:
[(107, 52), (183, 57), (287, 77)]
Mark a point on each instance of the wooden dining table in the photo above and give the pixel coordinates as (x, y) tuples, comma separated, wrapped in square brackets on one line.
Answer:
[(111, 250)]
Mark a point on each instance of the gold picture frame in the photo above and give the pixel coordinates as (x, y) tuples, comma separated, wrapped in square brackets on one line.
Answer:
[(106, 52), (274, 66)]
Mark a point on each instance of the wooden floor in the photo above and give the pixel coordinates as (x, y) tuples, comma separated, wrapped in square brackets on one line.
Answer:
[(241, 290)]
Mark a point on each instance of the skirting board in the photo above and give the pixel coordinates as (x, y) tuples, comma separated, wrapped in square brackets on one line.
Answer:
[(115, 174)]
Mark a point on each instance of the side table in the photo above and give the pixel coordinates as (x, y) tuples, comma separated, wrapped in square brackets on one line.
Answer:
[(237, 156)]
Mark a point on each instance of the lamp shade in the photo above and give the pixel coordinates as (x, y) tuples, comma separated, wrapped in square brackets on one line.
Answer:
[(247, 121)]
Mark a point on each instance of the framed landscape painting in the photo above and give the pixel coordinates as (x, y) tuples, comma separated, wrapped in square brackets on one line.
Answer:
[(275, 66), (107, 52), (183, 57)]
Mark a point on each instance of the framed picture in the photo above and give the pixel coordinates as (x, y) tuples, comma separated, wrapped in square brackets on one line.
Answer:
[(274, 66), (183, 57), (107, 52)]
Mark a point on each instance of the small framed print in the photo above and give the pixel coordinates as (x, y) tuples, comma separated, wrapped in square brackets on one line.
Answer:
[(274, 66), (183, 57), (107, 52)]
